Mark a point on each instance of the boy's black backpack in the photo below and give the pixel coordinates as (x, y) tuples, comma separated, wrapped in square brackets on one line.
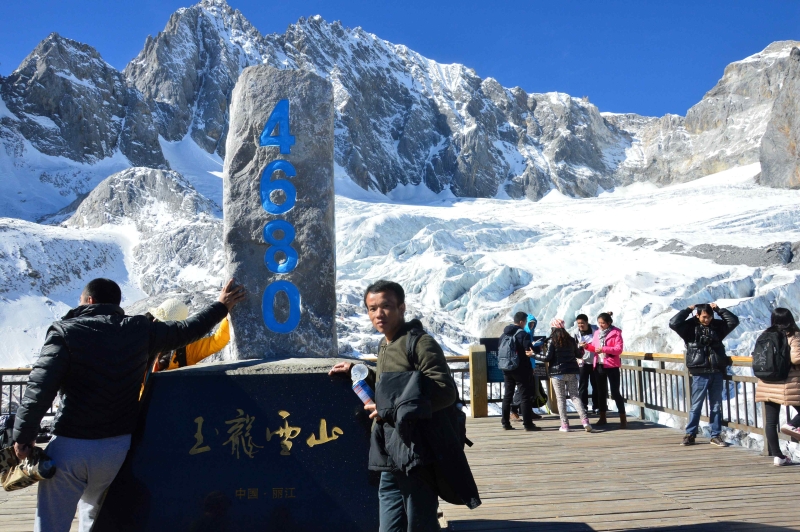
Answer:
[(771, 357), (458, 417), (507, 356)]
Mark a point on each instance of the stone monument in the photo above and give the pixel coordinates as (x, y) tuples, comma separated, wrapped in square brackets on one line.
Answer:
[(276, 445), (279, 214)]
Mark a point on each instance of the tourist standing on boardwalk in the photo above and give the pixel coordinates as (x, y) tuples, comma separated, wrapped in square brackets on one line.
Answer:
[(583, 335), (530, 328), (562, 357), (520, 376), (409, 489), (706, 362), (96, 357), (607, 345), (785, 392)]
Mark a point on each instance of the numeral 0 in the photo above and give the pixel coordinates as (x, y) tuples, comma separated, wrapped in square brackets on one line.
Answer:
[(268, 307)]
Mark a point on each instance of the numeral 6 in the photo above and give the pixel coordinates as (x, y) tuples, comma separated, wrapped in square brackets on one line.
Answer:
[(268, 186)]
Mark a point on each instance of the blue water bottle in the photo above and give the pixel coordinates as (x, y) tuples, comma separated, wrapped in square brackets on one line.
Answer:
[(363, 391)]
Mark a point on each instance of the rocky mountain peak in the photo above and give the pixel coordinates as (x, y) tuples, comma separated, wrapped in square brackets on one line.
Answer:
[(69, 102)]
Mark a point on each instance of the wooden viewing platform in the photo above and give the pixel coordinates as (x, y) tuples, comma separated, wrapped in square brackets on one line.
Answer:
[(549, 481)]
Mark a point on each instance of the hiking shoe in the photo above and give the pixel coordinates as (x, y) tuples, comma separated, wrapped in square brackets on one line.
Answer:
[(515, 417), (716, 440), (564, 427), (789, 430), (778, 461), (532, 428), (688, 439), (508, 427)]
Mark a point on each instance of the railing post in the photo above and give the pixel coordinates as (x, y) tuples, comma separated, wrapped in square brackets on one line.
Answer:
[(479, 402), (640, 387)]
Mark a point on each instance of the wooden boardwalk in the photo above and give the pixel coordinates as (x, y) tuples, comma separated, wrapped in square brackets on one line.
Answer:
[(638, 478), (550, 481)]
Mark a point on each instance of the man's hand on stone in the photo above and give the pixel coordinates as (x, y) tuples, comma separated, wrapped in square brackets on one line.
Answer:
[(23, 450), (372, 408), (341, 367), (231, 294)]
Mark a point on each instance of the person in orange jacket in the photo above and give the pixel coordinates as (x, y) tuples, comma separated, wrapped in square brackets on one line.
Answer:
[(175, 310)]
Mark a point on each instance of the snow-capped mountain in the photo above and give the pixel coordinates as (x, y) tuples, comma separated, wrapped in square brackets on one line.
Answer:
[(416, 143), (402, 120)]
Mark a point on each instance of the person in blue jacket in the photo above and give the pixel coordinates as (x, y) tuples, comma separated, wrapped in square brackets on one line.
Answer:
[(530, 328)]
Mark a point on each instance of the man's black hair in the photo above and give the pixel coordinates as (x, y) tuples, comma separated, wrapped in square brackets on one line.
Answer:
[(386, 286), (521, 317), (704, 308), (103, 291), (583, 317)]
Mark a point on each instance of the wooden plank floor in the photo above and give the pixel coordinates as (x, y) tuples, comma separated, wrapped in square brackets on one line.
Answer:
[(637, 478), (550, 481), (17, 511)]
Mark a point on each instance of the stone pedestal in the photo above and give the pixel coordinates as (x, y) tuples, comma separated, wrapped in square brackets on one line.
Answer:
[(277, 446), (279, 214)]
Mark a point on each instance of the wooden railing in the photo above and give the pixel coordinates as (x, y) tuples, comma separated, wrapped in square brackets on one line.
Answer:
[(653, 381), (13, 382)]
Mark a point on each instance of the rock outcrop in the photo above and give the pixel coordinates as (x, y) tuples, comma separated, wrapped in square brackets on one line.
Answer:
[(779, 156), (179, 240), (71, 103)]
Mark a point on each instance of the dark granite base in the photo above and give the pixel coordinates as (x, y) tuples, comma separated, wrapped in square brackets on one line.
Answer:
[(236, 479)]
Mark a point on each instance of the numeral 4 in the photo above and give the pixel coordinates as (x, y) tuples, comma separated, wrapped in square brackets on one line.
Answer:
[(278, 119)]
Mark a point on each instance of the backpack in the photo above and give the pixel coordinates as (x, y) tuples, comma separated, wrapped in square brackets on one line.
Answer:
[(771, 357), (6, 429), (507, 356), (458, 417)]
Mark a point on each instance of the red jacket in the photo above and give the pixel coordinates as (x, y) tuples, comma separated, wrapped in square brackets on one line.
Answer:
[(612, 349)]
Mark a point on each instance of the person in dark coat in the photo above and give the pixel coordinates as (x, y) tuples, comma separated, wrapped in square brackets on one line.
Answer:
[(96, 357), (521, 376), (416, 393), (706, 362)]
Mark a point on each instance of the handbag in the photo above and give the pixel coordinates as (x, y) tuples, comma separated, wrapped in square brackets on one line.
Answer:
[(16, 474)]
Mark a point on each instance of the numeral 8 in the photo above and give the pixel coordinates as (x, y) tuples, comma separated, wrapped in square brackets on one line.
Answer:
[(280, 244)]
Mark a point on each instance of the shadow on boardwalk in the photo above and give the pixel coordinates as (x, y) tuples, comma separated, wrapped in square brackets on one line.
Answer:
[(486, 525)]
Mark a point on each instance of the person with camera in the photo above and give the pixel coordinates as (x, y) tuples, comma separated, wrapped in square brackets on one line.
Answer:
[(706, 362)]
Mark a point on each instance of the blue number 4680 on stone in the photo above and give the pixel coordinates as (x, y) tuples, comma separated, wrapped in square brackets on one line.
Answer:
[(279, 119)]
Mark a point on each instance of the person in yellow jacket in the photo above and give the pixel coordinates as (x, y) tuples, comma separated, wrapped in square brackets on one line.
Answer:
[(175, 310)]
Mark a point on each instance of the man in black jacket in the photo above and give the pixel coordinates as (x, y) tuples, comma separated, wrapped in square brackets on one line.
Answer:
[(522, 376), (96, 357), (706, 362)]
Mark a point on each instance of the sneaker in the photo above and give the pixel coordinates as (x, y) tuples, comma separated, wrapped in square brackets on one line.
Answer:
[(791, 431), (515, 417), (564, 428), (586, 426), (716, 440), (532, 428), (778, 461), (507, 427), (688, 439)]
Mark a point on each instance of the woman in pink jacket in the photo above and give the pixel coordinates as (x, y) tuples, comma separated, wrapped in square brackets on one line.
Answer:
[(607, 345)]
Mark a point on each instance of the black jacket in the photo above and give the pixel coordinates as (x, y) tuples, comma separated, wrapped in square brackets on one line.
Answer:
[(412, 439), (523, 343), (97, 357), (562, 360), (705, 352)]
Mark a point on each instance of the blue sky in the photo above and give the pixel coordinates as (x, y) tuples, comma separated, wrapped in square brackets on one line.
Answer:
[(648, 57)]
